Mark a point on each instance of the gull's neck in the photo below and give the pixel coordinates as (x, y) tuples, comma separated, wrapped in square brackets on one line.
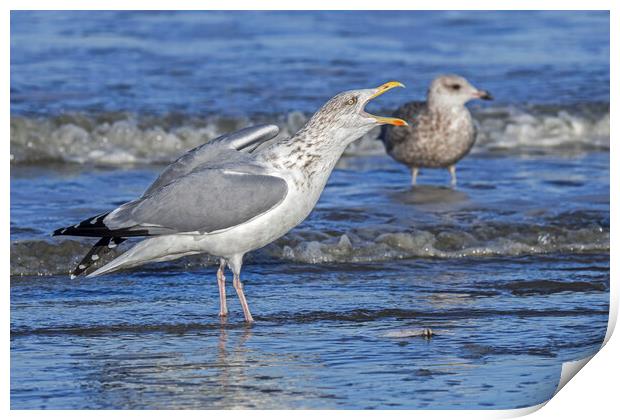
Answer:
[(443, 105), (313, 151)]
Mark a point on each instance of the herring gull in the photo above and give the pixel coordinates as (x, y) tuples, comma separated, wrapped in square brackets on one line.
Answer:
[(441, 130), (234, 194)]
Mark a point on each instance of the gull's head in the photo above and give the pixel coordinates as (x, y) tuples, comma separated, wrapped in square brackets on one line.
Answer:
[(344, 116), (452, 90)]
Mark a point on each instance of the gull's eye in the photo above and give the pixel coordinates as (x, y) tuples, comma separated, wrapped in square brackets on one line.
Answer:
[(352, 101), (455, 86)]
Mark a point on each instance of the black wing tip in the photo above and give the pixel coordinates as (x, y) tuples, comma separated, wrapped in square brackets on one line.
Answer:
[(96, 228), (102, 247), (93, 226)]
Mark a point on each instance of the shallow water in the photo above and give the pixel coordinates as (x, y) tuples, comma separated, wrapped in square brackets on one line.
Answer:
[(510, 286), (326, 336), (510, 270)]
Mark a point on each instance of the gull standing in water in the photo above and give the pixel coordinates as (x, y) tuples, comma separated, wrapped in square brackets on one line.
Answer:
[(441, 130), (234, 194)]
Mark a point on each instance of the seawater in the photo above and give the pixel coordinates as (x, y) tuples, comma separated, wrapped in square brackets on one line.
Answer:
[(510, 269)]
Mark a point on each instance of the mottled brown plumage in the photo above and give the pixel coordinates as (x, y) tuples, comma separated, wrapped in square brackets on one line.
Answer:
[(441, 130)]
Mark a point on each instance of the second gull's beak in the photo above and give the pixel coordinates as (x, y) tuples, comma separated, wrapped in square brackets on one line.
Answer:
[(380, 91), (484, 95)]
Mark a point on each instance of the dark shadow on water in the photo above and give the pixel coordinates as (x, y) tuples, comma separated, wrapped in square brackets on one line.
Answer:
[(307, 317), (432, 195)]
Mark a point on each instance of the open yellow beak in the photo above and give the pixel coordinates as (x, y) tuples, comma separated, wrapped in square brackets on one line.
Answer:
[(380, 91)]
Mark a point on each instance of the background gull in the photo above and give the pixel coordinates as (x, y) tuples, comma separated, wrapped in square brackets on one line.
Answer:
[(441, 130), (231, 196)]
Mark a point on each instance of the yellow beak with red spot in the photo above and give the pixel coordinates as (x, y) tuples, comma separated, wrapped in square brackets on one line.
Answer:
[(380, 91)]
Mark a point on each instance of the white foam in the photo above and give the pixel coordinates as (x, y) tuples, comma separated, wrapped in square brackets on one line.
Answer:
[(367, 245), (420, 243), (526, 129), (127, 139)]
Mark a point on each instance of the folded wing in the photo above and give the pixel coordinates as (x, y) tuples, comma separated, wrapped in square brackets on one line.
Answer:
[(221, 149), (214, 186), (203, 201), (410, 112)]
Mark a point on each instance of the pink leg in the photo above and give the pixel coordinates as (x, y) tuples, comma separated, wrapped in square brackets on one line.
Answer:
[(244, 303), (452, 169), (235, 265), (221, 282)]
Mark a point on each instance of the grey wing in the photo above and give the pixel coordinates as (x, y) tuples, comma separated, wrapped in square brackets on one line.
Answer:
[(218, 150), (410, 112), (205, 200), (247, 137)]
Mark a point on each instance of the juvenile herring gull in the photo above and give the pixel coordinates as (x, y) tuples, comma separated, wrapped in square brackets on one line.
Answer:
[(233, 194), (441, 130)]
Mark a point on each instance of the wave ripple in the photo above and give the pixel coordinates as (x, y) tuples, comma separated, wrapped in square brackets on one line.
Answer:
[(121, 138), (40, 257)]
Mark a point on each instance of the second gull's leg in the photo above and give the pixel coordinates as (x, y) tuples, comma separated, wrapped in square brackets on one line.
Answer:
[(452, 169), (414, 175)]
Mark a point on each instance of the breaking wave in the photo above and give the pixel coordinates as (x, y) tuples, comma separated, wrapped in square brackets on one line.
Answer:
[(42, 257), (123, 138), (487, 241)]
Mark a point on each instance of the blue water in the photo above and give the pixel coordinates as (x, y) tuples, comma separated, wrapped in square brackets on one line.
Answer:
[(273, 62), (510, 270)]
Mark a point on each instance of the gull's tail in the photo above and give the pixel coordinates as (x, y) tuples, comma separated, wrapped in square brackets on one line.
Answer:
[(96, 227), (102, 247), (154, 249), (92, 227)]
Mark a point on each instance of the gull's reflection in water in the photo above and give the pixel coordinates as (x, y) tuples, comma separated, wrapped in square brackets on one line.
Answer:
[(207, 366), (431, 195), (428, 204), (232, 357)]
